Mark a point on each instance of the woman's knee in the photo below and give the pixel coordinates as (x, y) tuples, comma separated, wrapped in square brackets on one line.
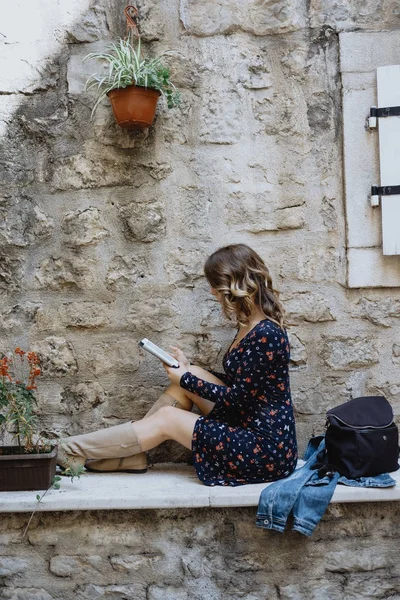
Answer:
[(171, 419), (179, 394), (165, 416)]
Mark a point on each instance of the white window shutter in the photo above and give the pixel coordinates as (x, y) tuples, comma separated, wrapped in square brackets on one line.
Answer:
[(388, 82)]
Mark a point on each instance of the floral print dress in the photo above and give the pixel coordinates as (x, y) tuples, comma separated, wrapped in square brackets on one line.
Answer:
[(249, 436)]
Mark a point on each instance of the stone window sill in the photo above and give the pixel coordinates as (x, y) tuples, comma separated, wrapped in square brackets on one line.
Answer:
[(163, 486)]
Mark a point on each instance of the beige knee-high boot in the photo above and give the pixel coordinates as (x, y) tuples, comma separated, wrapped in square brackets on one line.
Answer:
[(118, 441), (136, 463)]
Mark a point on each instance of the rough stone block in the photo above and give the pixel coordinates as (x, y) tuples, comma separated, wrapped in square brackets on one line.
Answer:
[(125, 271), (85, 315), (101, 167), (83, 227), (350, 353), (317, 394), (379, 312), (396, 353), (369, 588), (64, 566), (344, 15), (22, 223), (208, 352), (310, 263), (112, 357), (258, 212), (151, 310), (111, 592), (82, 396), (12, 565), (19, 316), (221, 118), (212, 316), (160, 592), (91, 26), (11, 271), (57, 357), (347, 560), (176, 124), (298, 352), (106, 130), (194, 218), (227, 16), (66, 272), (315, 590), (133, 399), (157, 20), (184, 266), (134, 562), (308, 306), (73, 566), (143, 221), (79, 70), (25, 593)]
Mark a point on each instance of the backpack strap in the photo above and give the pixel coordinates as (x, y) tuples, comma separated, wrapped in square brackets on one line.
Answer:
[(324, 468)]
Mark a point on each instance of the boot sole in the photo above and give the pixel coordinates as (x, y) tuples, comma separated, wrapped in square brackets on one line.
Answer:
[(137, 471)]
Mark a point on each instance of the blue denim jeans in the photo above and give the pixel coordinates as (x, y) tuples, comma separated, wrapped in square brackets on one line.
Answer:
[(305, 494)]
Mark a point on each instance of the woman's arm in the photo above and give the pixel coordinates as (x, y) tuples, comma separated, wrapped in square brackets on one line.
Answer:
[(184, 362), (256, 363), (175, 375)]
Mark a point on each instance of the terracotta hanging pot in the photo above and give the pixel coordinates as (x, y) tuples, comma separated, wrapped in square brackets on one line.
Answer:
[(134, 106)]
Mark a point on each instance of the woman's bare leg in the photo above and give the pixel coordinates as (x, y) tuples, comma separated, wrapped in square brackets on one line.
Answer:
[(183, 396), (171, 423), (168, 423)]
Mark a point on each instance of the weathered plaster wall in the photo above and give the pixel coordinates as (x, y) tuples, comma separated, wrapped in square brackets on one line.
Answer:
[(200, 555), (104, 232)]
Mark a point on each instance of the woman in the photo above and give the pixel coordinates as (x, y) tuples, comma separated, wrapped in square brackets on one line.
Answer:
[(247, 431)]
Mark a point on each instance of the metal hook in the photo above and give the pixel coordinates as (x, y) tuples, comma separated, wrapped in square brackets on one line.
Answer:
[(131, 14)]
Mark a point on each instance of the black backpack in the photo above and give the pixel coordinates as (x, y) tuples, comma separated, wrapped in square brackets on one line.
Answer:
[(361, 438)]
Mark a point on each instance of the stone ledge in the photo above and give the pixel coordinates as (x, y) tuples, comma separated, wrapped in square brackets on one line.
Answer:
[(163, 486)]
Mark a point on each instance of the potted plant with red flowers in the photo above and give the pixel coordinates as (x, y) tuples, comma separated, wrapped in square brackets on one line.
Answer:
[(30, 463), (132, 82)]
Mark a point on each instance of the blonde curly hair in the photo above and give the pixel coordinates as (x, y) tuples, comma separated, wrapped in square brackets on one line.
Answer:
[(242, 281)]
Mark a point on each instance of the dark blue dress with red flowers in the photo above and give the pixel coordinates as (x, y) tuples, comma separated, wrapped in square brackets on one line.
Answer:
[(249, 436)]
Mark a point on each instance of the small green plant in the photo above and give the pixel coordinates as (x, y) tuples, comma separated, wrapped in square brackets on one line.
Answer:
[(56, 486), (73, 471), (126, 66), (18, 374)]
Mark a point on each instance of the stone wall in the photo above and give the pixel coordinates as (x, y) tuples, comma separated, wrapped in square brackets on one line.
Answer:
[(205, 554), (104, 232)]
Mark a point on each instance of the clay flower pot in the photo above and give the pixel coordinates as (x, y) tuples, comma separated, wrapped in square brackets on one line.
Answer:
[(134, 106)]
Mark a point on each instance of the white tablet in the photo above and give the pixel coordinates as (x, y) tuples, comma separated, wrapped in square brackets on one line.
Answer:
[(158, 352)]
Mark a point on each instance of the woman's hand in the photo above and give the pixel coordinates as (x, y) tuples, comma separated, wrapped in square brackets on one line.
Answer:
[(175, 373), (180, 357)]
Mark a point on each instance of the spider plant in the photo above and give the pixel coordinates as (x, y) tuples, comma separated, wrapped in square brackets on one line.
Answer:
[(127, 67)]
